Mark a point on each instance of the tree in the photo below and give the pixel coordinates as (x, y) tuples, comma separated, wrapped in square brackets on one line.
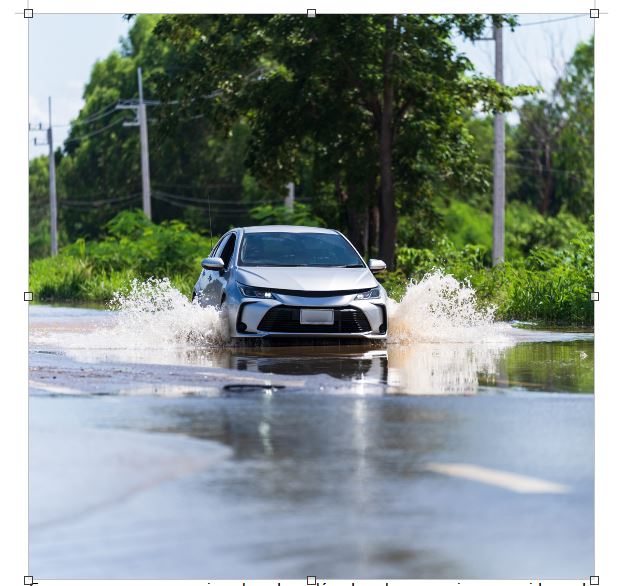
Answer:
[(376, 100), (555, 142)]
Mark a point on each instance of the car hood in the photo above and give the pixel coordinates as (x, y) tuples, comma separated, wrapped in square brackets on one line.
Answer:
[(307, 278)]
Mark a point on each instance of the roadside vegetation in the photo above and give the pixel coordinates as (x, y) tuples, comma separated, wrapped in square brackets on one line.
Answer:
[(547, 285), (132, 248), (418, 197)]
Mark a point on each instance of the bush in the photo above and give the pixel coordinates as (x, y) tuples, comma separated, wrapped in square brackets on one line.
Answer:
[(554, 285), (133, 248), (465, 224), (525, 228), (551, 286), (134, 242), (460, 262)]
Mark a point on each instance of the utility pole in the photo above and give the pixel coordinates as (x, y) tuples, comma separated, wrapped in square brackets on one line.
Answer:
[(498, 180), (54, 241), (141, 120), (289, 199), (143, 136), (54, 245)]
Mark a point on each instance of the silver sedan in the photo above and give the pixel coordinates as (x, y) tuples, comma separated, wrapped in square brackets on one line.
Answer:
[(293, 281)]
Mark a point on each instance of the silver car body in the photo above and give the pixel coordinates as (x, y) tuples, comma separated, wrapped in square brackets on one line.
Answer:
[(292, 289)]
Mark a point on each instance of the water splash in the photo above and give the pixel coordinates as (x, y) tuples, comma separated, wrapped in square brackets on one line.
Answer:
[(439, 308), (152, 322), (155, 312)]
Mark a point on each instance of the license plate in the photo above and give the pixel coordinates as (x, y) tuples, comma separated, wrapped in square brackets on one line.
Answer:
[(316, 316)]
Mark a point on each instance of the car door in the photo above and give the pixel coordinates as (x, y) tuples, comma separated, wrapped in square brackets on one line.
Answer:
[(216, 280)]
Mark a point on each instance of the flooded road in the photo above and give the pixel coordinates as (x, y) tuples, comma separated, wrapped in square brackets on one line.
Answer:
[(430, 459)]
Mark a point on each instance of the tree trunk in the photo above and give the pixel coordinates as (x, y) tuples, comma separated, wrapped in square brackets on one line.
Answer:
[(373, 233), (356, 218), (388, 227)]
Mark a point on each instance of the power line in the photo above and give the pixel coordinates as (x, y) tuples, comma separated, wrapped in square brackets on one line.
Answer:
[(205, 204), (98, 113), (552, 20), (90, 120), (204, 200), (98, 202), (95, 132), (221, 213), (196, 187)]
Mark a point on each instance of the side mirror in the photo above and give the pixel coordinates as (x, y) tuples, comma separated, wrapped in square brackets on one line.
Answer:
[(376, 265), (213, 263)]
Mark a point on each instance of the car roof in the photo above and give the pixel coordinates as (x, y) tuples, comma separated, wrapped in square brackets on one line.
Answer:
[(283, 228)]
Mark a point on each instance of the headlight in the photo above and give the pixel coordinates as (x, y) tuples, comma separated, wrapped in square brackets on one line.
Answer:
[(370, 294), (248, 291)]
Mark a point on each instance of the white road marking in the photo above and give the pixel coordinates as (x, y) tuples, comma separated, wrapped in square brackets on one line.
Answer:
[(507, 480), (55, 389)]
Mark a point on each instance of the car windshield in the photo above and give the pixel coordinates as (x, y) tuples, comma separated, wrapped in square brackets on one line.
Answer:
[(297, 249)]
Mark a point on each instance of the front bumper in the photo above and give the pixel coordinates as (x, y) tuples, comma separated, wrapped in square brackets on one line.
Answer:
[(352, 319)]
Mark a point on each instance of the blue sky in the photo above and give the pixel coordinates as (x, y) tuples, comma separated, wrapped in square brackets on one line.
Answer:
[(63, 48)]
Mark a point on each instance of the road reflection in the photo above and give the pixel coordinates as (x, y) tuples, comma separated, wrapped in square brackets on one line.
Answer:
[(420, 369), (426, 368)]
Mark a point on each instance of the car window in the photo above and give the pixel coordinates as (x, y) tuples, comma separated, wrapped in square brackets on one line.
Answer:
[(227, 251), (214, 250), (295, 249)]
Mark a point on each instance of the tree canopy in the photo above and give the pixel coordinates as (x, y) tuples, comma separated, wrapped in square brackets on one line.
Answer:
[(555, 141), (375, 118), (375, 102)]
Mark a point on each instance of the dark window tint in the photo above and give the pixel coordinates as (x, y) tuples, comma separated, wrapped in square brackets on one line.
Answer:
[(227, 251), (292, 249), (215, 249)]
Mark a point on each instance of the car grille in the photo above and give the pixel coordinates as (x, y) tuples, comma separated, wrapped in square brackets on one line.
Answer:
[(346, 320)]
